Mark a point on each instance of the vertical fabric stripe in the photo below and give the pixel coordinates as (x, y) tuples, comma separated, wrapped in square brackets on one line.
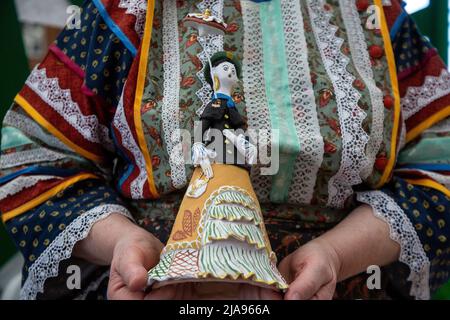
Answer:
[(142, 74), (354, 138), (304, 106), (279, 97), (395, 92), (254, 89), (361, 60), (170, 103)]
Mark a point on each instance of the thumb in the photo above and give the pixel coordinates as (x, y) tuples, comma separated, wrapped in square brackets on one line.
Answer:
[(306, 284), (134, 266)]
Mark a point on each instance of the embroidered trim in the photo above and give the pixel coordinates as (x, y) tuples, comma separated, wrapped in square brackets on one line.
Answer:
[(402, 231), (15, 159), (303, 102), (61, 101), (417, 98), (128, 142), (210, 44), (354, 138), (47, 264), (255, 94), (137, 8), (170, 103), (33, 130), (361, 60), (23, 182)]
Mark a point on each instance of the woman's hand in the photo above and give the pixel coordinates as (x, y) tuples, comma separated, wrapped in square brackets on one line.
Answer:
[(133, 256), (130, 250), (312, 271), (358, 241)]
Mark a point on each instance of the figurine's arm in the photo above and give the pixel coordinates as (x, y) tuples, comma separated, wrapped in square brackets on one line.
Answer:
[(200, 154), (243, 146)]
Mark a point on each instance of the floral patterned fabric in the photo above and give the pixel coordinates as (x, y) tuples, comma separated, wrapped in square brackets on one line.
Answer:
[(350, 95)]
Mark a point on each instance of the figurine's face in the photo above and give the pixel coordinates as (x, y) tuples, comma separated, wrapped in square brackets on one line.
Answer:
[(226, 73)]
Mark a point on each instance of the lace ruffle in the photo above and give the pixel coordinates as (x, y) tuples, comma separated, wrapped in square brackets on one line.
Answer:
[(23, 182), (47, 264), (254, 89), (137, 8), (351, 116), (361, 60), (402, 231), (29, 156), (417, 98), (61, 101), (303, 103), (170, 104)]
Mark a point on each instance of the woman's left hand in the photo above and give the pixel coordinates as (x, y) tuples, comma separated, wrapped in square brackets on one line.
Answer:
[(312, 271)]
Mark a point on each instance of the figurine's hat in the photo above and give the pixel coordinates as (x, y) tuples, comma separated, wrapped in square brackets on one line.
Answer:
[(218, 58)]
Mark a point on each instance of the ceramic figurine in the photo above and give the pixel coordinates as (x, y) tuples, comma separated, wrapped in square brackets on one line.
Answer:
[(219, 232)]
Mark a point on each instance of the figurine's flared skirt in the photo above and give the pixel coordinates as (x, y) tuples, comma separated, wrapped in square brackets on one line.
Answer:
[(219, 234)]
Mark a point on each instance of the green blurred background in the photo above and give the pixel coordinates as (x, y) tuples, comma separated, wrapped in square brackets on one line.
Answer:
[(433, 22)]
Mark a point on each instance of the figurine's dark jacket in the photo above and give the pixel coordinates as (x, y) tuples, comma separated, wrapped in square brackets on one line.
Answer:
[(218, 115)]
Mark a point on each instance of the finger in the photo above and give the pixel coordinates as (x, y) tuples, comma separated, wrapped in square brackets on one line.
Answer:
[(285, 268), (306, 284), (133, 268)]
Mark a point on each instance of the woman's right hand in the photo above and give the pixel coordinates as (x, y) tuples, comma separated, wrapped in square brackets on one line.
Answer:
[(133, 256), (129, 249)]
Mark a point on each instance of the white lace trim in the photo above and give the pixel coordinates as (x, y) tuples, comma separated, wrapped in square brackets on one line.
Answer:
[(137, 8), (128, 142), (33, 130), (61, 101), (354, 138), (23, 182), (361, 60), (402, 231), (254, 88), (170, 104), (93, 286), (210, 44), (303, 102), (417, 98), (47, 264), (15, 159)]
